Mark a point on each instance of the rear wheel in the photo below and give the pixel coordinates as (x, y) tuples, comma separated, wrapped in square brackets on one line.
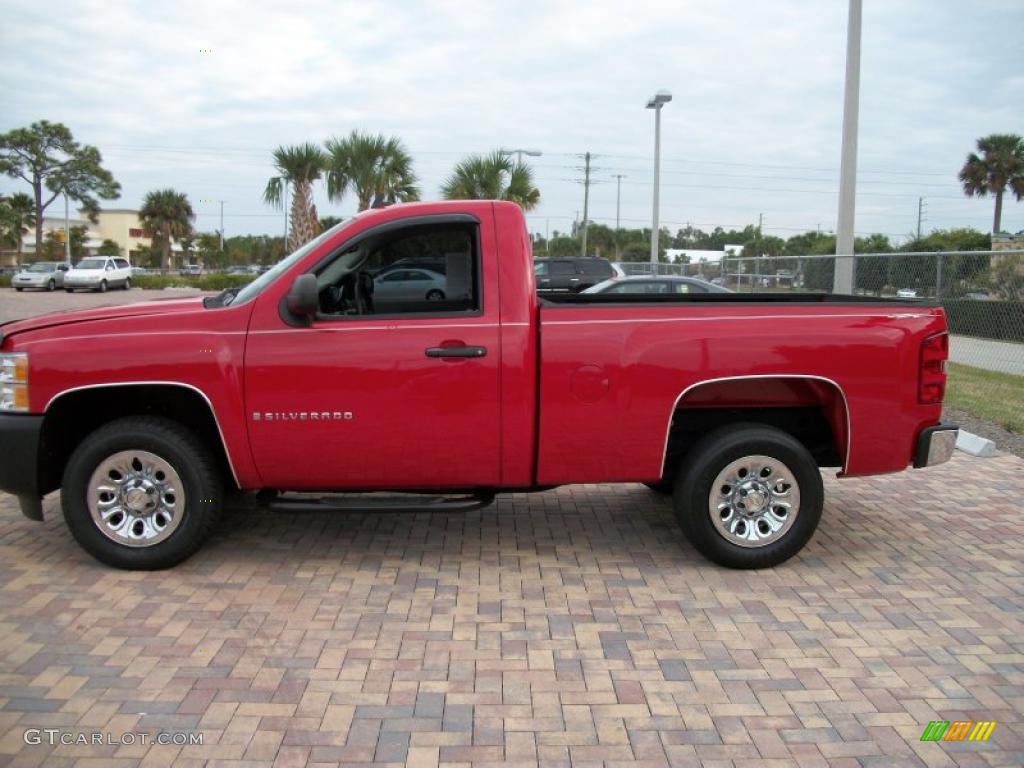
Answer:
[(435, 295), (749, 496), (128, 284), (141, 493)]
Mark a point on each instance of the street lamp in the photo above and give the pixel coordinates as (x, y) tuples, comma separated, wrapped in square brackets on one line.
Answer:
[(656, 102), (520, 152)]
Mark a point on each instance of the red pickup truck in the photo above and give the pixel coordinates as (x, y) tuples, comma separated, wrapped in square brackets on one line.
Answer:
[(406, 350)]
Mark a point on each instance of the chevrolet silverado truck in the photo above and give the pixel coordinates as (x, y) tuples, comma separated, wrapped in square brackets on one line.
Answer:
[(403, 359)]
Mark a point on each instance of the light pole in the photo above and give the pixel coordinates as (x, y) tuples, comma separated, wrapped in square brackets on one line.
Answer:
[(221, 225), (67, 232), (656, 102), (520, 152), (618, 194), (843, 276)]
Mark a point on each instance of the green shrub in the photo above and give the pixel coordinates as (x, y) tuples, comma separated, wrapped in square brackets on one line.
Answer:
[(202, 282), (5, 280), (1000, 320)]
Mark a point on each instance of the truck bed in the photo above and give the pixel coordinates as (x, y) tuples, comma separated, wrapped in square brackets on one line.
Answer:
[(590, 299)]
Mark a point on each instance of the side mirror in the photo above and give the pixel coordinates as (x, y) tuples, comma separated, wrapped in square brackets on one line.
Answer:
[(303, 298)]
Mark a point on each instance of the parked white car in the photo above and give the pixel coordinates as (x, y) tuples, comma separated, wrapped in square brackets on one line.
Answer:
[(98, 273), (906, 293), (406, 284), (44, 275)]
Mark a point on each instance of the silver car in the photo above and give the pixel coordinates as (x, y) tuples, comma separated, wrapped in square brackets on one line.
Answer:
[(43, 276), (409, 284), (655, 284)]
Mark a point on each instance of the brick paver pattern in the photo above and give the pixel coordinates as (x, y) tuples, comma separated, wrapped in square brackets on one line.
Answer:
[(573, 627)]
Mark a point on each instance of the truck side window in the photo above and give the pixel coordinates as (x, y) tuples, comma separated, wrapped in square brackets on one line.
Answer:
[(420, 269)]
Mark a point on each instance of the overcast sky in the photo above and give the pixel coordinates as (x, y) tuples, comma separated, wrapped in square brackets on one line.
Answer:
[(754, 126)]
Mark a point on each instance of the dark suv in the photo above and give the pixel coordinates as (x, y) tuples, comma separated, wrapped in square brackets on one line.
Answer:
[(571, 274)]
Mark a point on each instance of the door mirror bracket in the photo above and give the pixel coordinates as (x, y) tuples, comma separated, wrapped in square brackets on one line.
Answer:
[(303, 300)]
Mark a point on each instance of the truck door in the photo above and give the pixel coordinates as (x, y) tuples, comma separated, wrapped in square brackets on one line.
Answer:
[(384, 389)]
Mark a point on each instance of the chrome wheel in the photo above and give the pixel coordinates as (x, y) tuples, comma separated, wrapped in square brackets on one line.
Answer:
[(754, 501), (136, 498)]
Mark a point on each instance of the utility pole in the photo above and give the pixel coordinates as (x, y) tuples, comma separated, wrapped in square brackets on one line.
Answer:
[(67, 231), (221, 225), (586, 201), (757, 256), (843, 279), (920, 215), (618, 195)]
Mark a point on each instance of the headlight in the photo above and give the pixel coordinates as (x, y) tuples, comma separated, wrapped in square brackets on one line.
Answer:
[(14, 381)]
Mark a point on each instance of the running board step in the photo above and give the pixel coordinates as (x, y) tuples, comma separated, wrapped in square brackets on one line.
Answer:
[(370, 503)]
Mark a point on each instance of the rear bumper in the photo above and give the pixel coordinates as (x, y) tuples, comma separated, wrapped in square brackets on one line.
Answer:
[(935, 445), (19, 456)]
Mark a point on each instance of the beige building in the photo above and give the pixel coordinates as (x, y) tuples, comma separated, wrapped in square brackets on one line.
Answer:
[(122, 225)]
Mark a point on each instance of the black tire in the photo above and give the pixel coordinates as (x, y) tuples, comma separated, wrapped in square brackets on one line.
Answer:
[(663, 488), (51, 285), (70, 290), (714, 453), (103, 286), (435, 295), (19, 290), (127, 283), (186, 454)]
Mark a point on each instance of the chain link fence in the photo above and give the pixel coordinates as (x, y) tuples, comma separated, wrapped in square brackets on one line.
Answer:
[(981, 291)]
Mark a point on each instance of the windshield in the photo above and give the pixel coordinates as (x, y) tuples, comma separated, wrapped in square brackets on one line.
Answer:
[(42, 266), (90, 264), (261, 282)]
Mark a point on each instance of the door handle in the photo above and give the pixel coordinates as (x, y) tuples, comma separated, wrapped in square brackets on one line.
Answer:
[(455, 351)]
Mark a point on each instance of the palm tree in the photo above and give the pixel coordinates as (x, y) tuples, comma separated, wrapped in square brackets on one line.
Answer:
[(492, 177), (1000, 165), (376, 168), (168, 215), (298, 166), (18, 215)]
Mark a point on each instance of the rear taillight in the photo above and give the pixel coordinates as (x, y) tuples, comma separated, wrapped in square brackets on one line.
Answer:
[(931, 386)]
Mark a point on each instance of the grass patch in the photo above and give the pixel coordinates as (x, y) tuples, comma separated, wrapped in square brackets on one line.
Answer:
[(987, 395)]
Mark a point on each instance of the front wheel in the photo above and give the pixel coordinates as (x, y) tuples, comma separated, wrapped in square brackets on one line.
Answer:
[(103, 286), (19, 290), (51, 284), (749, 496), (141, 493), (70, 290)]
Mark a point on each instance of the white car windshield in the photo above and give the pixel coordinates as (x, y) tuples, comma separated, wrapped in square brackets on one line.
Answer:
[(42, 267), (90, 264)]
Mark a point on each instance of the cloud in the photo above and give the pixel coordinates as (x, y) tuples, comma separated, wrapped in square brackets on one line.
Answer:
[(754, 126)]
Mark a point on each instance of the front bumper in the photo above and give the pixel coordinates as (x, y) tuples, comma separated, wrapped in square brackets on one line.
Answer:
[(935, 445), (28, 283), (19, 457)]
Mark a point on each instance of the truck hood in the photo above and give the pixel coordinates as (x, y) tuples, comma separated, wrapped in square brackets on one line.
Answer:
[(167, 306)]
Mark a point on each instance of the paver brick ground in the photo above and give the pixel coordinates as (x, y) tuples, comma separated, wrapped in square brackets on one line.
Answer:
[(573, 627)]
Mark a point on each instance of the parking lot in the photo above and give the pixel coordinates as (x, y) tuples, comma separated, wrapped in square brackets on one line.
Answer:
[(15, 305), (572, 627), (569, 627)]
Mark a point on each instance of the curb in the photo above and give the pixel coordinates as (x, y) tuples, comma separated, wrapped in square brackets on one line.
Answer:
[(975, 445)]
